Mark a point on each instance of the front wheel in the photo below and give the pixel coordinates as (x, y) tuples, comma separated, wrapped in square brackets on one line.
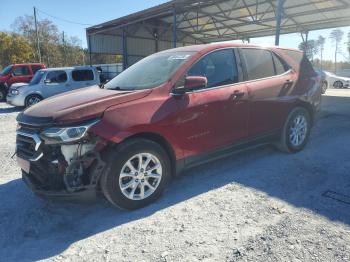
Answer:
[(137, 173), (32, 100), (2, 95), (296, 131)]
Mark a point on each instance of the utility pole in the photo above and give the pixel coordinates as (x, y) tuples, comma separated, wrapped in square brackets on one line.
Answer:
[(64, 50), (37, 35)]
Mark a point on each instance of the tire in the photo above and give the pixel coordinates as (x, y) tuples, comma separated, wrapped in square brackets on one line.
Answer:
[(287, 142), (338, 84), (324, 87), (3, 94), (32, 100), (119, 162)]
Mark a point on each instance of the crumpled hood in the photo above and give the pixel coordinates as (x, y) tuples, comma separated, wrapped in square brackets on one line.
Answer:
[(81, 104)]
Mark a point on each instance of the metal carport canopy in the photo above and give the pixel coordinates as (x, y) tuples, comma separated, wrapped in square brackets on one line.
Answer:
[(184, 22)]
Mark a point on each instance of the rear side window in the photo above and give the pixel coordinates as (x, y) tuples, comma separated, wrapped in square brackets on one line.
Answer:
[(36, 68), (21, 71), (218, 67), (56, 77), (258, 62), (280, 66), (306, 68), (82, 75)]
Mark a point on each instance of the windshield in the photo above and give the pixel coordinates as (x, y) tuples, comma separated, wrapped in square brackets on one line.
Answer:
[(150, 72), (37, 78), (6, 71)]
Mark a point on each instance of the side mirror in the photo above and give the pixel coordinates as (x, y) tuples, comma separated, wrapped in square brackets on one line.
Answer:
[(47, 81), (192, 83)]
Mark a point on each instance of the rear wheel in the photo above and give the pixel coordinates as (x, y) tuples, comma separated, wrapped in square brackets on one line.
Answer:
[(32, 100), (296, 131), (338, 84), (138, 172), (324, 87)]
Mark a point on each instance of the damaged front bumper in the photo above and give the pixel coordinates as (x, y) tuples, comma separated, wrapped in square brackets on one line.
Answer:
[(84, 195), (65, 171)]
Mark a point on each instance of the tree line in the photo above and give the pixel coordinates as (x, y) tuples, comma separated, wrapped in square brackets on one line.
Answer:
[(56, 48), (316, 47)]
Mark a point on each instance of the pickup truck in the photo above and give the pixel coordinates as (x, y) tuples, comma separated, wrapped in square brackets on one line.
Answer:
[(17, 73)]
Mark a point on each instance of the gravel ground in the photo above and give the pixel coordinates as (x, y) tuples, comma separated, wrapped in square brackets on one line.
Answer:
[(260, 205)]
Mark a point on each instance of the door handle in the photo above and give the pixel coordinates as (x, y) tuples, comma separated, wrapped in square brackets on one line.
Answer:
[(288, 83), (237, 95)]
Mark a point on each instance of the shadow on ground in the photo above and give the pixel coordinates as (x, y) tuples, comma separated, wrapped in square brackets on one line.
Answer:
[(8, 110), (39, 229)]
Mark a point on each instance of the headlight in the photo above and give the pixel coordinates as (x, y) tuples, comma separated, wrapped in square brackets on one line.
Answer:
[(54, 135), (14, 92)]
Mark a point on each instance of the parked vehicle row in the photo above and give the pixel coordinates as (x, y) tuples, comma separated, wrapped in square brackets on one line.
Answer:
[(50, 82), (168, 112), (336, 81), (17, 73)]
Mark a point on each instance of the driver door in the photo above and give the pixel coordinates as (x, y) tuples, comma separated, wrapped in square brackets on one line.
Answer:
[(214, 116)]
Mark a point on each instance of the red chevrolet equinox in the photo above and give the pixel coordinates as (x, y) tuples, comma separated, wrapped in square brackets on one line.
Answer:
[(168, 112)]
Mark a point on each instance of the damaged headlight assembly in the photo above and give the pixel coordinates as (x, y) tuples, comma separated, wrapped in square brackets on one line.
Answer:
[(57, 135)]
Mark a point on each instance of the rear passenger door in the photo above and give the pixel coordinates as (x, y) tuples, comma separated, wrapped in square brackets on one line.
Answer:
[(82, 78), (269, 81)]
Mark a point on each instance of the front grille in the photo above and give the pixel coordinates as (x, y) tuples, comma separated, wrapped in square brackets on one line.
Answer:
[(28, 143)]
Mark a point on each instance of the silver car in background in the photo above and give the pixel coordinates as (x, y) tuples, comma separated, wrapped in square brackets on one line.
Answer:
[(50, 82)]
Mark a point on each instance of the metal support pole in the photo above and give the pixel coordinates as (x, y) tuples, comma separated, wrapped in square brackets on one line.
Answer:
[(37, 35), (90, 55), (174, 28), (279, 15), (125, 50)]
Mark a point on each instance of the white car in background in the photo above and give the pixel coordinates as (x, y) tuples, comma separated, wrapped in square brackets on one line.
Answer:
[(337, 81)]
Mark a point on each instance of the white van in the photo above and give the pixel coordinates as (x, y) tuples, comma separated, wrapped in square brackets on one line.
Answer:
[(50, 82)]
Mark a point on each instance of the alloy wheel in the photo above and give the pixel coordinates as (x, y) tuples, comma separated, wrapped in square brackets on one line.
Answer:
[(140, 176), (33, 100), (298, 130)]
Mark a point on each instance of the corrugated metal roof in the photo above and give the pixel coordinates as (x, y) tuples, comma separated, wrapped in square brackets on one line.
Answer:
[(200, 21)]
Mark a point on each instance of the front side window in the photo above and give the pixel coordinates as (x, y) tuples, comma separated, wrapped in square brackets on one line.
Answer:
[(218, 67), (7, 70), (258, 62), (55, 77), (37, 78), (150, 72), (82, 75), (21, 71)]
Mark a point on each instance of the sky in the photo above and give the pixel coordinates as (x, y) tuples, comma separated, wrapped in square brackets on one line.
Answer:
[(94, 12)]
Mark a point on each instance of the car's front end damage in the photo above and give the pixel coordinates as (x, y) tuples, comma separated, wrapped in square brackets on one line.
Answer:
[(60, 162)]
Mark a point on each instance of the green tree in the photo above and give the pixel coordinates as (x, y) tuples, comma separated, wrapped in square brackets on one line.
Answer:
[(348, 44), (320, 42), (336, 36), (14, 49), (55, 49), (310, 48)]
